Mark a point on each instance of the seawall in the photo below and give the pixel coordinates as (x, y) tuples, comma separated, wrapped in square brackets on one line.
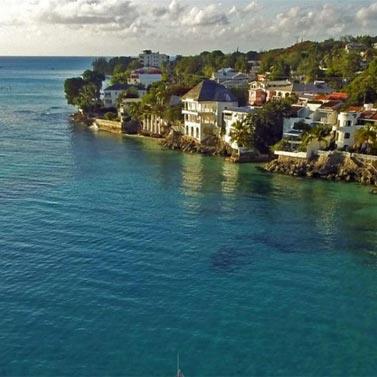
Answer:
[(335, 166)]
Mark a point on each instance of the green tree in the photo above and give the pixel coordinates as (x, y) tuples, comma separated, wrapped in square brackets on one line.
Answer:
[(364, 87), (93, 77), (366, 139), (242, 133), (72, 88), (319, 134), (263, 127), (88, 98), (241, 64)]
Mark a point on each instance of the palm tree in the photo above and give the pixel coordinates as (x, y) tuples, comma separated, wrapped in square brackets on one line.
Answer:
[(242, 134), (135, 110), (366, 138), (318, 133)]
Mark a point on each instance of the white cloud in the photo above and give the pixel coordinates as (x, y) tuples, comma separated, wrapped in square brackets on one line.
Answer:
[(207, 16), (178, 26), (367, 15)]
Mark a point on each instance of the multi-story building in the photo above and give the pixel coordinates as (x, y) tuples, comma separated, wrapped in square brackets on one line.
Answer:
[(145, 76), (231, 116), (153, 59), (203, 108), (112, 93), (266, 90), (261, 92), (349, 122)]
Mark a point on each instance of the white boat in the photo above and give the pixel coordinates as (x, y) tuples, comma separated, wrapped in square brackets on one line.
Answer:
[(179, 372)]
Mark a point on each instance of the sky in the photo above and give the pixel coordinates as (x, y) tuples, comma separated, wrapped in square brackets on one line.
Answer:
[(125, 27)]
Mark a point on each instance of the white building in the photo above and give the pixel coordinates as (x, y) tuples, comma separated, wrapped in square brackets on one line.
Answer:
[(112, 93), (346, 129), (203, 108), (230, 78), (145, 76), (349, 122), (153, 59), (231, 116)]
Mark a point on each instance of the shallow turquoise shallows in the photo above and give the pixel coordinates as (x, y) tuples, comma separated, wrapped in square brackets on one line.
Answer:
[(115, 255)]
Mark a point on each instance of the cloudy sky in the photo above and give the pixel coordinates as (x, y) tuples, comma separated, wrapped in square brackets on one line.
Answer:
[(124, 27)]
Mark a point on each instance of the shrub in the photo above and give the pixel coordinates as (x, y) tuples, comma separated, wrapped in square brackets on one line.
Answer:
[(110, 116)]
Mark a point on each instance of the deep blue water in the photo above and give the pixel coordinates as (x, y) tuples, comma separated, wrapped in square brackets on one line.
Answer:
[(114, 255)]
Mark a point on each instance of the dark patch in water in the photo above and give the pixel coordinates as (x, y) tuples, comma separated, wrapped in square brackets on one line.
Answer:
[(24, 112), (50, 117), (228, 259)]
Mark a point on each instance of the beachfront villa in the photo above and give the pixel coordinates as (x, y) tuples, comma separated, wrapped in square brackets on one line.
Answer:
[(231, 116), (349, 122), (203, 108)]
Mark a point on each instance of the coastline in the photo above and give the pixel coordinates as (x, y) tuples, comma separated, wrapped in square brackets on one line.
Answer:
[(338, 167)]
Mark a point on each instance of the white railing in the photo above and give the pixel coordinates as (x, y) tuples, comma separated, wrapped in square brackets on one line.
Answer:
[(302, 155)]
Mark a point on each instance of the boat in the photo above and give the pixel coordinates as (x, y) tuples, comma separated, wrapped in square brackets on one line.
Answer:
[(179, 372)]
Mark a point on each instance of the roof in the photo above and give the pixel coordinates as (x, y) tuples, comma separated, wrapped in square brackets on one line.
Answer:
[(120, 87), (320, 88), (209, 90), (333, 105), (283, 88), (244, 109), (117, 87), (147, 70), (293, 111), (355, 109), (369, 115)]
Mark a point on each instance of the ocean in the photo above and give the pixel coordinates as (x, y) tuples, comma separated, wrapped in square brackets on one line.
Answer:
[(116, 255)]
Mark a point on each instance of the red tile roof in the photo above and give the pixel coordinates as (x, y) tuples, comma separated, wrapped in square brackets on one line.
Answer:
[(369, 115)]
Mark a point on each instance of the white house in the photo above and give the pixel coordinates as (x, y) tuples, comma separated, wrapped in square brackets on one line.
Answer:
[(230, 78), (153, 59), (297, 114), (203, 108), (112, 93), (145, 76), (346, 129), (231, 116), (349, 122)]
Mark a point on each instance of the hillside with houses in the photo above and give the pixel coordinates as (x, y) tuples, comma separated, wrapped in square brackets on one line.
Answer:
[(302, 102)]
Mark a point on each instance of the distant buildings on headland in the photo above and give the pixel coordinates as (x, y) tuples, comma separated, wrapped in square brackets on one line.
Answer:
[(211, 109)]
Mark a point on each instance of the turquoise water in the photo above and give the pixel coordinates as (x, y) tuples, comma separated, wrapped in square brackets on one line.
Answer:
[(114, 255)]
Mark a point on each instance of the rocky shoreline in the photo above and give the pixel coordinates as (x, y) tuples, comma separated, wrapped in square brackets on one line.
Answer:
[(212, 147), (334, 167)]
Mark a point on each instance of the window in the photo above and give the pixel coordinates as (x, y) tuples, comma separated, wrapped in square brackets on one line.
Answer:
[(192, 131), (187, 130), (348, 123), (347, 135), (197, 133)]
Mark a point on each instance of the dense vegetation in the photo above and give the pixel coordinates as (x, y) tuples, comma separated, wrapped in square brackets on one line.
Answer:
[(353, 71), (263, 127), (84, 92)]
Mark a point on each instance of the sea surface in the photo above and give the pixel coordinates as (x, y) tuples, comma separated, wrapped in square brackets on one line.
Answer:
[(116, 255)]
